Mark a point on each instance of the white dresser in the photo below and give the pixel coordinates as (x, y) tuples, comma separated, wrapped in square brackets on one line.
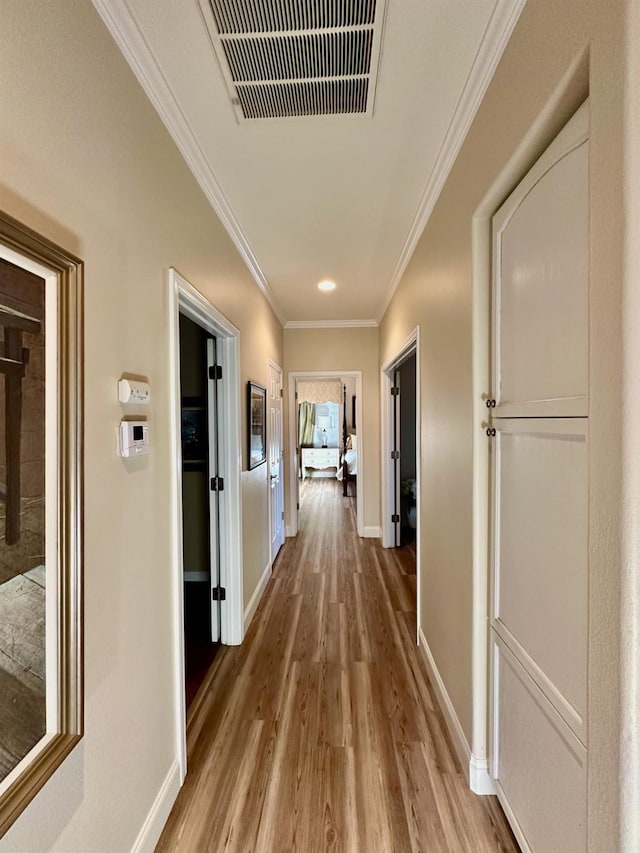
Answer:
[(320, 458)]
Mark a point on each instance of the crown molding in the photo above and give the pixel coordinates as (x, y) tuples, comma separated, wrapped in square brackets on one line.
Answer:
[(126, 33), (496, 36), (331, 324)]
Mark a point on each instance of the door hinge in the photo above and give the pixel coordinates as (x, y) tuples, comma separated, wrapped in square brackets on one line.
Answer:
[(217, 484), (215, 371), (218, 593), (395, 391), (395, 454), (282, 392), (283, 515), (395, 518), (298, 506)]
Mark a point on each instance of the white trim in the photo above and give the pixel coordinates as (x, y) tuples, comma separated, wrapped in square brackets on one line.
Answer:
[(481, 324), (159, 812), (256, 598), (293, 376), (185, 299), (454, 725), (370, 532), (501, 24), (476, 768), (480, 780), (331, 324), (135, 49), (175, 503)]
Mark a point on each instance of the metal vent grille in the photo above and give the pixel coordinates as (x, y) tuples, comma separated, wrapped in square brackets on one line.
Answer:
[(287, 58), (272, 16)]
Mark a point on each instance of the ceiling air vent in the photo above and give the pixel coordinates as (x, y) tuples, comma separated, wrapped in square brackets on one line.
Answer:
[(286, 58)]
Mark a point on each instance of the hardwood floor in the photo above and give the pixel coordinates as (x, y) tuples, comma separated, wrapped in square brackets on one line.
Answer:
[(320, 732)]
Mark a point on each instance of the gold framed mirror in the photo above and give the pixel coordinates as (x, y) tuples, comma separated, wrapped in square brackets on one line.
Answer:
[(41, 505)]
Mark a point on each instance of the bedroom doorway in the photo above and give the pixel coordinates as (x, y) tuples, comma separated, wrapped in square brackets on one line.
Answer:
[(317, 436)]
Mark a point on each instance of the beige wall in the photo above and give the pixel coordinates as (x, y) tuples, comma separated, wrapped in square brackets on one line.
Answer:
[(343, 350), (86, 162), (436, 291)]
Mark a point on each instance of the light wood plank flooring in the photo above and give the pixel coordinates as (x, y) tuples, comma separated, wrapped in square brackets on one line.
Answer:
[(321, 732)]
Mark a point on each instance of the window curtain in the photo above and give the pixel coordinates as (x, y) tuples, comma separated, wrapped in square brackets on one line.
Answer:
[(319, 391), (306, 423)]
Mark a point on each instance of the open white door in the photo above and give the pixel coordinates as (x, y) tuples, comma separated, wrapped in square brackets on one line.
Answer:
[(395, 456), (215, 486), (276, 480)]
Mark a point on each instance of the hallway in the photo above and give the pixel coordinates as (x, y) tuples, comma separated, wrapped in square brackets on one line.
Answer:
[(320, 732)]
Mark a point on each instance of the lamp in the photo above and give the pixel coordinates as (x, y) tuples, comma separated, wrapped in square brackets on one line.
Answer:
[(323, 424)]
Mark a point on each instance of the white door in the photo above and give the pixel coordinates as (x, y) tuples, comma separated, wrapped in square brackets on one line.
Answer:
[(540, 497), (215, 484), (276, 480), (395, 455)]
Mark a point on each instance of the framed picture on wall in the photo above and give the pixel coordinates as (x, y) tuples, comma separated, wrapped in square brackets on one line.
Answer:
[(41, 693), (256, 424)]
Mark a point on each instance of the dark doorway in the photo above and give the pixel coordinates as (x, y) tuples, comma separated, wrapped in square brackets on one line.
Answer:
[(405, 443), (199, 505)]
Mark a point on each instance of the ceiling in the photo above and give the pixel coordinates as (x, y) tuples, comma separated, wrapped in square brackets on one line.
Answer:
[(343, 197)]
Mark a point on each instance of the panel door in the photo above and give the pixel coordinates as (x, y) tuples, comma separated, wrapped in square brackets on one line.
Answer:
[(214, 502), (540, 304), (276, 479), (539, 534)]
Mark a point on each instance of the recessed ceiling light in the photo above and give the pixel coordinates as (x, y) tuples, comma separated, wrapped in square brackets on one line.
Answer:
[(327, 285)]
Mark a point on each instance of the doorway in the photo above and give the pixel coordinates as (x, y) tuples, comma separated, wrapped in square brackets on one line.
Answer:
[(200, 520), (307, 456), (404, 450), (222, 347), (400, 443)]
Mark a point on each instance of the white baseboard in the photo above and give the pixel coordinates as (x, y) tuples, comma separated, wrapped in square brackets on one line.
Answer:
[(477, 769), (480, 779), (456, 731), (159, 812), (290, 531), (371, 532), (252, 606)]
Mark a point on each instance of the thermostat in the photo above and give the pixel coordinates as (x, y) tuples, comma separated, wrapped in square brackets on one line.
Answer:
[(134, 438), (130, 391)]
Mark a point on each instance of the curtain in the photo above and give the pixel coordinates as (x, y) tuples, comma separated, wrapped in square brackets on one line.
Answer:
[(319, 390), (306, 423)]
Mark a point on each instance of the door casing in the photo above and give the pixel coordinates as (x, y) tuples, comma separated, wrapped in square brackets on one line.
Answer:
[(185, 299)]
